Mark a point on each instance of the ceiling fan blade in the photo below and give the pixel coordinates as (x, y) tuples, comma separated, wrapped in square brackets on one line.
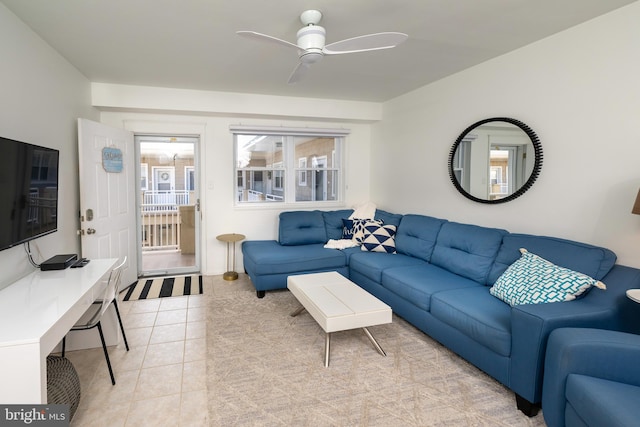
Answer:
[(266, 38), (365, 43), (298, 72)]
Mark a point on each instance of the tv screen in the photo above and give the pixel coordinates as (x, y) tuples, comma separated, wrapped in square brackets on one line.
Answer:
[(28, 192)]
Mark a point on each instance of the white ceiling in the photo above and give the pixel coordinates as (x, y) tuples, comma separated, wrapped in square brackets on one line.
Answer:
[(192, 44)]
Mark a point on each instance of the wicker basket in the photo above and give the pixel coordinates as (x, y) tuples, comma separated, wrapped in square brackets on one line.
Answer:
[(63, 384)]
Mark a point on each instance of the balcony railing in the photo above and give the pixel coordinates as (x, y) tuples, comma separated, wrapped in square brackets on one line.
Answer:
[(257, 196), (161, 219), (165, 200)]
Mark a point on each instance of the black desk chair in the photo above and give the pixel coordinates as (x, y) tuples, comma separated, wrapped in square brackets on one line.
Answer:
[(92, 317)]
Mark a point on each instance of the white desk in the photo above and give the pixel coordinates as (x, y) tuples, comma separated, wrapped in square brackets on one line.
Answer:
[(36, 312)]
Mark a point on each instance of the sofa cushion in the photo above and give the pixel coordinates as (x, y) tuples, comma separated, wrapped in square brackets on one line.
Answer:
[(534, 280), (333, 222), (269, 257), (418, 283), (388, 217), (477, 314), (417, 234), (467, 250), (599, 402), (591, 260), (301, 228), (379, 238), (372, 264)]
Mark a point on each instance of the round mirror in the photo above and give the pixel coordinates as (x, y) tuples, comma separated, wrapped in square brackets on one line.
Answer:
[(495, 160)]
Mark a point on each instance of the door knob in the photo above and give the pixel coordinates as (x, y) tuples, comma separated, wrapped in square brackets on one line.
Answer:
[(90, 231)]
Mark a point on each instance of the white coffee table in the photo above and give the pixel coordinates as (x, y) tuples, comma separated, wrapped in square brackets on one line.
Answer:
[(634, 295), (338, 304)]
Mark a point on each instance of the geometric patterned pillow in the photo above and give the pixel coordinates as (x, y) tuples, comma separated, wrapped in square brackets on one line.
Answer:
[(379, 238), (354, 228), (534, 280)]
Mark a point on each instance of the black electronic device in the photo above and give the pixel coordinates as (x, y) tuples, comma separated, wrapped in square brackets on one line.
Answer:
[(58, 262), (80, 263), (28, 191)]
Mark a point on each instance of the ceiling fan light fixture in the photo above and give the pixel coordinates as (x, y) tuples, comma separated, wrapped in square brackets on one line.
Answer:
[(311, 37), (311, 47), (310, 17), (311, 56)]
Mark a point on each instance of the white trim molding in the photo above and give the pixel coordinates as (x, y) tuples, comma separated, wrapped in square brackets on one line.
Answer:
[(285, 130)]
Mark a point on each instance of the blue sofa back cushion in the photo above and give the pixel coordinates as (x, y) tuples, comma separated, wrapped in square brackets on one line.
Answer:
[(388, 218), (417, 235), (301, 228), (467, 250), (591, 260), (333, 222)]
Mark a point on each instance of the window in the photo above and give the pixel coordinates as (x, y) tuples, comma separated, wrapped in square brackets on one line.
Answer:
[(278, 176), (189, 178), (288, 167), (144, 176), (500, 161), (302, 166)]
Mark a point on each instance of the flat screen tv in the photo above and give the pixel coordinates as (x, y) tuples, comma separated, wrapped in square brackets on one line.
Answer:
[(28, 192)]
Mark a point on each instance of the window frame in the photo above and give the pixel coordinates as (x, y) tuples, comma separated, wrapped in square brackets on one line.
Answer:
[(292, 168)]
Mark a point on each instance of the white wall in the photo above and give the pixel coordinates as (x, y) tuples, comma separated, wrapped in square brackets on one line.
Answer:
[(217, 182), (42, 96), (579, 90)]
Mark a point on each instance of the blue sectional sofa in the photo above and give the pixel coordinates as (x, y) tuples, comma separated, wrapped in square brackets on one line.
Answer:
[(592, 378), (439, 280)]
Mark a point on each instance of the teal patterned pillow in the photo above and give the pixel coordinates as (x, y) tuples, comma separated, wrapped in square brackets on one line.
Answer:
[(534, 280)]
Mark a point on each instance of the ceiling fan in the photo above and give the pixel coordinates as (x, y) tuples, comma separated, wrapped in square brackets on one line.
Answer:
[(311, 38)]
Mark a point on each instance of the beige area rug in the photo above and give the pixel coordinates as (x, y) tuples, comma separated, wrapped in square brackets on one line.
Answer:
[(265, 368)]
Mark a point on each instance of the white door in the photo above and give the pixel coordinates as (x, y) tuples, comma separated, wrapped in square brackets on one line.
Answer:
[(164, 179), (169, 215), (107, 194)]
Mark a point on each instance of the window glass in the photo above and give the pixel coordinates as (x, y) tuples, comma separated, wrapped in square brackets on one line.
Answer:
[(287, 168), (144, 174), (317, 177)]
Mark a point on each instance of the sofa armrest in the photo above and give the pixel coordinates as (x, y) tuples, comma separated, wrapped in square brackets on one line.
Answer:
[(610, 355), (532, 324), (530, 329)]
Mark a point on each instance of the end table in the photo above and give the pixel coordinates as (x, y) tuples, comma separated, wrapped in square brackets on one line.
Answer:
[(230, 240)]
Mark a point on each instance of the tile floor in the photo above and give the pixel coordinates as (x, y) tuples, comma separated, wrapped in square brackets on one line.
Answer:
[(159, 260), (161, 381)]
